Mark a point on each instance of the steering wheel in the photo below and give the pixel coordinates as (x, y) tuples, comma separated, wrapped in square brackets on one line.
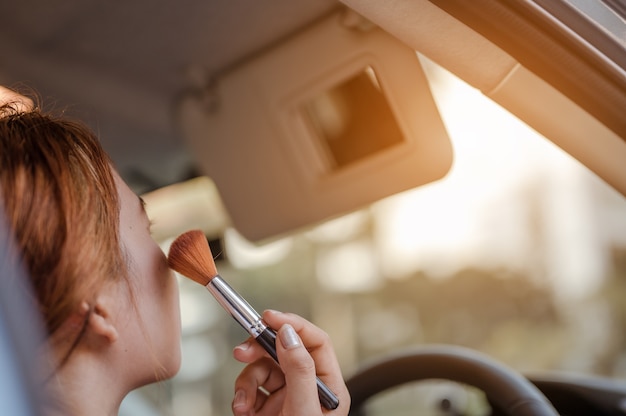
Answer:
[(507, 391)]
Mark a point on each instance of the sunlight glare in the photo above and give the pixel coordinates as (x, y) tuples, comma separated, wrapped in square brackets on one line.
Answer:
[(486, 211), (350, 267), (246, 255), (340, 229)]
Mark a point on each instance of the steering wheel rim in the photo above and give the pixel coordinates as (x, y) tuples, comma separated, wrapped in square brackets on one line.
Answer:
[(506, 389)]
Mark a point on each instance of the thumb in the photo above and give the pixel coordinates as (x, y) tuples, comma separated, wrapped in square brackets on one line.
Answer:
[(299, 369)]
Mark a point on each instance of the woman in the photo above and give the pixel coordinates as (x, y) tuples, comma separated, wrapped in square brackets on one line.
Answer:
[(108, 300)]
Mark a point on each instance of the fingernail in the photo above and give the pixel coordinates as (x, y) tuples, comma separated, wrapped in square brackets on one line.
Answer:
[(273, 312), (289, 338), (240, 398), (243, 346)]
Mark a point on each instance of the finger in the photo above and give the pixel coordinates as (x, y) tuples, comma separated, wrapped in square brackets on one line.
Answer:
[(242, 405), (320, 348), (263, 373), (299, 369), (249, 351), (272, 405), (316, 341)]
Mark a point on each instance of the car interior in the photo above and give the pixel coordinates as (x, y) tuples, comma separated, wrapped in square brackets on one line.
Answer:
[(438, 184)]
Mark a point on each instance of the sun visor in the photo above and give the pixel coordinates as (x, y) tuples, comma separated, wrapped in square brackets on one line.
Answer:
[(335, 118)]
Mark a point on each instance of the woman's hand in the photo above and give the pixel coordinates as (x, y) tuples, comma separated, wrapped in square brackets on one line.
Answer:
[(304, 352)]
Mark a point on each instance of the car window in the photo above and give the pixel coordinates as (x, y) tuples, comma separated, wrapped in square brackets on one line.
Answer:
[(519, 252)]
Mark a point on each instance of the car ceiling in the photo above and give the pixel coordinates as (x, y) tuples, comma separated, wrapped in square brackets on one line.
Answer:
[(120, 65)]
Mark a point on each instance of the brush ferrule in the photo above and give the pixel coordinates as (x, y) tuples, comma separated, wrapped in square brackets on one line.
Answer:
[(237, 306)]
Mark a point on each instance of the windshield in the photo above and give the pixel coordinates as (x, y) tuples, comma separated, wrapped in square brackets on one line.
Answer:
[(519, 252)]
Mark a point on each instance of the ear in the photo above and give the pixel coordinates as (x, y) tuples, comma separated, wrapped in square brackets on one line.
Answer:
[(101, 324)]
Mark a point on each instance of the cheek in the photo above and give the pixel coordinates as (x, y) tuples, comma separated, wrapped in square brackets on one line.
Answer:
[(160, 314), (162, 278), (156, 282), (168, 292), (160, 303)]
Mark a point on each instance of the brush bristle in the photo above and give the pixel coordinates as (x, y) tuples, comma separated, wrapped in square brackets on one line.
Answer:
[(191, 256)]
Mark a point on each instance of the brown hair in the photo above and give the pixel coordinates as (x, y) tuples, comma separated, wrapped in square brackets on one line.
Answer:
[(59, 196)]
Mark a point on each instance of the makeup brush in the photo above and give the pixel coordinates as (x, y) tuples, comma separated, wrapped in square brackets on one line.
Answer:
[(191, 256)]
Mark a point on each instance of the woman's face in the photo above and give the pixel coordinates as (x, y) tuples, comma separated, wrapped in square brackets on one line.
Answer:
[(154, 337)]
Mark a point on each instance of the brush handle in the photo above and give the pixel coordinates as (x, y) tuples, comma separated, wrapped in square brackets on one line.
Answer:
[(267, 339), (251, 321)]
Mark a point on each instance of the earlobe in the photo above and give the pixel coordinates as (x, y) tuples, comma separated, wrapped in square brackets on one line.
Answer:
[(100, 323)]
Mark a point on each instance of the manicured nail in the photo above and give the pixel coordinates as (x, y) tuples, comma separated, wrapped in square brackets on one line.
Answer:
[(240, 398), (289, 338), (244, 346)]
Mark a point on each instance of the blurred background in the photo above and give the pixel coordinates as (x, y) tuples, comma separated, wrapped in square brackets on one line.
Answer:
[(519, 252)]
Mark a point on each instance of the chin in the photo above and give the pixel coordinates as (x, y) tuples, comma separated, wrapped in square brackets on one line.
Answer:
[(170, 366)]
